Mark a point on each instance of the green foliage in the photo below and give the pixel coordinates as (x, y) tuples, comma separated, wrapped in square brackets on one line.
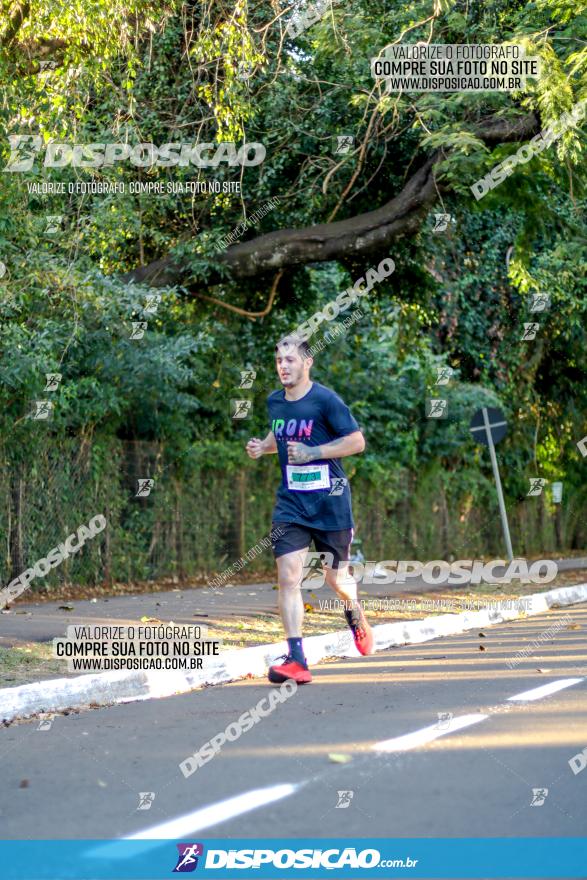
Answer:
[(144, 72)]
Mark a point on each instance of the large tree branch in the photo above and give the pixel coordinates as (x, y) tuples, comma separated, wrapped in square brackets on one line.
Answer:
[(365, 234)]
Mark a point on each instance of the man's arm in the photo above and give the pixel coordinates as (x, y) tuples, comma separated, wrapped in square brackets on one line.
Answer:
[(256, 448), (299, 453)]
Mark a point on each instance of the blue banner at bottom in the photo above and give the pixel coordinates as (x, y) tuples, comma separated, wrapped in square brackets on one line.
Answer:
[(528, 857)]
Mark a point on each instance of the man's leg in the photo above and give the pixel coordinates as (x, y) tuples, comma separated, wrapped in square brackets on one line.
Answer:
[(339, 579), (289, 577), (345, 587), (290, 570)]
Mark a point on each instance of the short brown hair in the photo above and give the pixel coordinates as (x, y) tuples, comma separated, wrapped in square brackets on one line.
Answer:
[(301, 345)]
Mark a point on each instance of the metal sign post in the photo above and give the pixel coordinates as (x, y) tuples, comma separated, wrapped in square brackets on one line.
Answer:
[(488, 426)]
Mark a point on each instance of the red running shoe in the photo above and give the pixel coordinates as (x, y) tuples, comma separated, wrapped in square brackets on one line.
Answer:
[(362, 633), (290, 669)]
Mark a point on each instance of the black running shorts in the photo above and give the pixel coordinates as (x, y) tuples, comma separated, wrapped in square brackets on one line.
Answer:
[(295, 537)]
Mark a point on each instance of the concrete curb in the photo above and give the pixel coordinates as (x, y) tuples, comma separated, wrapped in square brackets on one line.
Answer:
[(108, 688)]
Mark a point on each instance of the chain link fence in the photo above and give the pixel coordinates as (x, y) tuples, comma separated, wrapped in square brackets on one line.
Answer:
[(192, 522)]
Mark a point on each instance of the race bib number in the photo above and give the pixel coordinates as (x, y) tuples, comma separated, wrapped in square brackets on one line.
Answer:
[(307, 477)]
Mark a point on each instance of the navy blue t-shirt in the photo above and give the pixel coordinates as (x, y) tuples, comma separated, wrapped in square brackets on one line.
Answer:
[(317, 493)]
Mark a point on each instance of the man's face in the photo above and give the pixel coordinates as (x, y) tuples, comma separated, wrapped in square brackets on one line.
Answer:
[(292, 368)]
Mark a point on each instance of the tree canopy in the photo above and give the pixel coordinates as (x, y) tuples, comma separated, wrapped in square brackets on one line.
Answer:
[(303, 224)]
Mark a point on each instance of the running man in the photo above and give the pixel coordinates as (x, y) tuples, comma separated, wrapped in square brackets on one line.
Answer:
[(310, 423)]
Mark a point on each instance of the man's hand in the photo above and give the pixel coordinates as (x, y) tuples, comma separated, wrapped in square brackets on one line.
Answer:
[(255, 448), (299, 453)]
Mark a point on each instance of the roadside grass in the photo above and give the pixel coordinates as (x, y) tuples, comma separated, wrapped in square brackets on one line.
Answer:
[(28, 662)]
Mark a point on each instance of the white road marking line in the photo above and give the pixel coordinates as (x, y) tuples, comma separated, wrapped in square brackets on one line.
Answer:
[(192, 823), (220, 812), (545, 689), (426, 734)]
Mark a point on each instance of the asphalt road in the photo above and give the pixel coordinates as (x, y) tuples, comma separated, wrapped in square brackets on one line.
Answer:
[(81, 777)]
